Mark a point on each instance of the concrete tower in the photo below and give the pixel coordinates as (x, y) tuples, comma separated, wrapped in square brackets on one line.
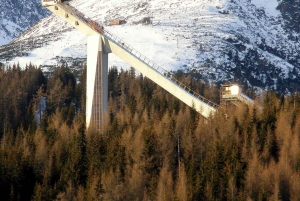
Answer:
[(96, 83), (97, 62)]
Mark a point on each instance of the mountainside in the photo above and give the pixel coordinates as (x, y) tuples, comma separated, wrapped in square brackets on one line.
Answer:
[(254, 43), (18, 15)]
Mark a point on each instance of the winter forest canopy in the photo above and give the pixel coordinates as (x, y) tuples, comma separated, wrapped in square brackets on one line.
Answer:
[(153, 147)]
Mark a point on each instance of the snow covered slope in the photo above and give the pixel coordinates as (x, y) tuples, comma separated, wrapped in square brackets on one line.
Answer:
[(18, 15), (223, 40)]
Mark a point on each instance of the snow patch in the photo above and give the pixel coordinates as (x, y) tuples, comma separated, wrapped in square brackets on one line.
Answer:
[(268, 5)]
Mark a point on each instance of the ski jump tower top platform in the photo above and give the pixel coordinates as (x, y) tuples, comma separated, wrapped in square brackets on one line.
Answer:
[(100, 43)]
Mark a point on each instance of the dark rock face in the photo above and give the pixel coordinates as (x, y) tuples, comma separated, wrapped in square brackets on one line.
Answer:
[(290, 10)]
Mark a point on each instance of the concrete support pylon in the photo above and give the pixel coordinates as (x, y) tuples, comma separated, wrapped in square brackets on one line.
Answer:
[(96, 83)]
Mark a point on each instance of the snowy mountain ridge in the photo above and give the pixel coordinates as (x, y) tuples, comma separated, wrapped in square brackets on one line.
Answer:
[(245, 41)]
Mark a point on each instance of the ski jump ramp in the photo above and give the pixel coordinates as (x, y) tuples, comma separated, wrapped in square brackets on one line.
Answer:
[(100, 43)]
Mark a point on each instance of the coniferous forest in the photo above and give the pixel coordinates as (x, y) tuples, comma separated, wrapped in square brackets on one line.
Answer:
[(153, 146)]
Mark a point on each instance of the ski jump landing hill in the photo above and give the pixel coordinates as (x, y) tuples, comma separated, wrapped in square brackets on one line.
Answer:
[(100, 43)]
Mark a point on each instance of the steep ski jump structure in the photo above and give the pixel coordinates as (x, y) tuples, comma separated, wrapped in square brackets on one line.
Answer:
[(100, 43)]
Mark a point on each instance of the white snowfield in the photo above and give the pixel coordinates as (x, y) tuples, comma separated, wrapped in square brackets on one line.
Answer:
[(268, 5), (183, 35), (10, 27)]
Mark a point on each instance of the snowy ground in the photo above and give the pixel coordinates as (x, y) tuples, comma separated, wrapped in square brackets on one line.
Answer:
[(268, 5), (184, 34), (9, 27), (172, 41)]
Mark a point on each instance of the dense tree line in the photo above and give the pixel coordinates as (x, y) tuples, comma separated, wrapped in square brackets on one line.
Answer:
[(18, 89), (153, 146)]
